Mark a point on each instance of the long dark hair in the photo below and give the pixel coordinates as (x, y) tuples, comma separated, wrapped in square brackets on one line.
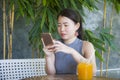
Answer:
[(75, 17)]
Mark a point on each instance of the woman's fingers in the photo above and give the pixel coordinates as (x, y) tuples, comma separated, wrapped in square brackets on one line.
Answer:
[(58, 46), (57, 42)]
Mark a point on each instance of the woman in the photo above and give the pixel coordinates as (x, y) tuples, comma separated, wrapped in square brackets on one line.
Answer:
[(65, 54)]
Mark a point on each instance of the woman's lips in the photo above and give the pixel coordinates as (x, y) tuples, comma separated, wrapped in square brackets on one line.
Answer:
[(63, 34)]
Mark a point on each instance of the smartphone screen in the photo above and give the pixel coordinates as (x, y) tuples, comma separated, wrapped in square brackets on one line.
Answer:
[(47, 39)]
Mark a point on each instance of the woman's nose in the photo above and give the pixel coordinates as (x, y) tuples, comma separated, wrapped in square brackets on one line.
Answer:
[(62, 28)]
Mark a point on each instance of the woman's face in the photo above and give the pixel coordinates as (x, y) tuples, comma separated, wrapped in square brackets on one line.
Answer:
[(66, 28)]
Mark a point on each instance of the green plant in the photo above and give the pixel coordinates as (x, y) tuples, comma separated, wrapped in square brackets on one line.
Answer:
[(42, 14)]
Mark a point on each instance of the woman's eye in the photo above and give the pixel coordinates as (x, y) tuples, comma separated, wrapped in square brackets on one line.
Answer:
[(66, 25), (59, 25)]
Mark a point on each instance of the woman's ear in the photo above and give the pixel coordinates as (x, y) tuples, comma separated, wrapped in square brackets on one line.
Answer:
[(77, 26)]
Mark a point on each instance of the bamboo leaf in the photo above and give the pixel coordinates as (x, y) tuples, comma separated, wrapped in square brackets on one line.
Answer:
[(117, 7), (23, 3), (102, 37), (98, 55), (30, 11), (43, 17), (99, 46), (97, 40), (65, 3), (107, 37), (50, 19), (58, 4), (44, 2), (88, 34), (73, 4), (20, 8)]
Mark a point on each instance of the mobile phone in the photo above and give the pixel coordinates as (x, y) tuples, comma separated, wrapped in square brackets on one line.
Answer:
[(47, 39)]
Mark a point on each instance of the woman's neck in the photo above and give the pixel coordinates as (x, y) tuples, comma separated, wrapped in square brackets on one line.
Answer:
[(68, 41)]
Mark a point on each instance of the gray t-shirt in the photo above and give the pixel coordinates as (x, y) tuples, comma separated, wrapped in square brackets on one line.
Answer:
[(64, 63)]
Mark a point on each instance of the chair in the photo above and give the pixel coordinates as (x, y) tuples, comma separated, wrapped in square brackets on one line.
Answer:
[(14, 69)]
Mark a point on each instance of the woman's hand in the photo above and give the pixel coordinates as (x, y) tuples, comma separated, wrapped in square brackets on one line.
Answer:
[(50, 60), (58, 46), (49, 50)]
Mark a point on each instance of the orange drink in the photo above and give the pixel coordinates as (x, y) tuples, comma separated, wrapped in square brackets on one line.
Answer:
[(85, 71)]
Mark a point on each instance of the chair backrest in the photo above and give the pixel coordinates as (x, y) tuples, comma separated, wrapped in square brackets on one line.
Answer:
[(14, 69)]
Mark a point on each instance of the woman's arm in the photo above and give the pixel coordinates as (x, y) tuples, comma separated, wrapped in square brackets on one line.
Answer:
[(88, 51), (50, 60), (50, 67)]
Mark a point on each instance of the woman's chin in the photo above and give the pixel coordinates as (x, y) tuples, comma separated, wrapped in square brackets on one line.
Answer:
[(64, 38)]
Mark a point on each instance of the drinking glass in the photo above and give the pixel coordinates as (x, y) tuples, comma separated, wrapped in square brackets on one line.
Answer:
[(85, 71)]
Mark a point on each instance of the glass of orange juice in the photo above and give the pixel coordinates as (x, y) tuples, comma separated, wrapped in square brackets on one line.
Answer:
[(85, 71)]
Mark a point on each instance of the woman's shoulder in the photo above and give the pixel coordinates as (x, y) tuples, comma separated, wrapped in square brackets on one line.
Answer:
[(87, 46), (87, 43)]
